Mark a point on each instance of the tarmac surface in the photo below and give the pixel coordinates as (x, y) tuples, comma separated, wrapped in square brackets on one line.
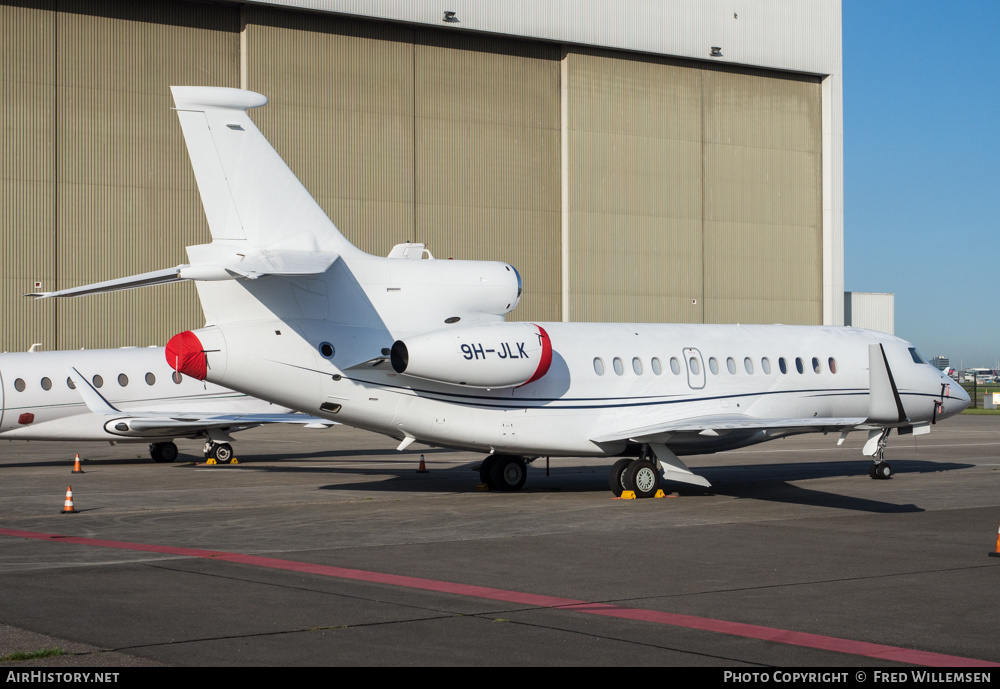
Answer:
[(326, 547)]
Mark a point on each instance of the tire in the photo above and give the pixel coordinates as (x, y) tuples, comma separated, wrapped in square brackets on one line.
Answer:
[(485, 471), (883, 471), (223, 452), (163, 452), (616, 479), (644, 478), (509, 473)]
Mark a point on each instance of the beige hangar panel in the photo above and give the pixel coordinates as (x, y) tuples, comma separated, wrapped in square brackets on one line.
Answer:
[(763, 237), (340, 113), (487, 157), (693, 192), (634, 197), (126, 197), (27, 172)]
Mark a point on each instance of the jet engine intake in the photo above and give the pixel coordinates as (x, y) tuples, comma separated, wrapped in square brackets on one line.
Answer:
[(491, 355)]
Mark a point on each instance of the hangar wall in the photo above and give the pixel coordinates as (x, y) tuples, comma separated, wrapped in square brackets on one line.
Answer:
[(624, 187)]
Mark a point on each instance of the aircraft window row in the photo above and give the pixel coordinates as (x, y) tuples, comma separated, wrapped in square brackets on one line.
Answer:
[(97, 381), (694, 365)]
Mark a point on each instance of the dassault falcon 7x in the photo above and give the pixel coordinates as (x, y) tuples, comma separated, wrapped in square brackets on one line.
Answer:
[(124, 395), (418, 349)]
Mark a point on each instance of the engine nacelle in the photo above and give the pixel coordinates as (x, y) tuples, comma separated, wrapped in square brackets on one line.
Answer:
[(491, 355)]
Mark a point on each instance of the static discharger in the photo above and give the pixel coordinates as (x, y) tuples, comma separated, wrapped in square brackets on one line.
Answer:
[(68, 505)]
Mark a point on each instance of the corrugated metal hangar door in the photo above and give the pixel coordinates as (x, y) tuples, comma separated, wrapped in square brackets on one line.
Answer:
[(694, 192), (686, 191)]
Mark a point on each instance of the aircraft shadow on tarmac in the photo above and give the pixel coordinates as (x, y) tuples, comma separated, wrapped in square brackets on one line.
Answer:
[(771, 482)]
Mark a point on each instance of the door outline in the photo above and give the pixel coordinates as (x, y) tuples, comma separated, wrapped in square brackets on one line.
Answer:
[(696, 380)]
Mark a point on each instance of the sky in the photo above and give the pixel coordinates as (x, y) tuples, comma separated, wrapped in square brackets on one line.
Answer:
[(922, 169)]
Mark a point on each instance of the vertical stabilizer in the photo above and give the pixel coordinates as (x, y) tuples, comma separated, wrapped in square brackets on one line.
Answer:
[(248, 191)]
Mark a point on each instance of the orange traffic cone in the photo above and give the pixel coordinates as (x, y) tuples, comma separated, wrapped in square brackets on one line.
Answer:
[(422, 469), (68, 506), (996, 552), (76, 465)]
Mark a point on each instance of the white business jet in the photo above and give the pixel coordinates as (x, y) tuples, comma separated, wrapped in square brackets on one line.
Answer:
[(124, 395), (418, 349)]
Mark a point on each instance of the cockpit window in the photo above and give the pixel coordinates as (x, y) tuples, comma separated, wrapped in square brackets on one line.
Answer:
[(917, 359)]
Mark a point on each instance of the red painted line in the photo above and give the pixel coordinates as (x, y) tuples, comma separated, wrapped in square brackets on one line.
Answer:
[(751, 631)]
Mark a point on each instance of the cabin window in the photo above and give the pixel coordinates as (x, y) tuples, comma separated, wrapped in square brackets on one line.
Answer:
[(695, 368), (798, 364), (98, 381), (713, 366), (655, 365), (122, 379), (637, 365), (19, 385), (748, 364), (675, 366), (70, 384), (150, 379), (619, 366), (817, 368), (598, 365), (46, 384), (176, 377), (833, 365), (782, 366), (765, 366), (731, 365)]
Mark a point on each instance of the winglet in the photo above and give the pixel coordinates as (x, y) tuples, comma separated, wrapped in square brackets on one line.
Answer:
[(91, 397)]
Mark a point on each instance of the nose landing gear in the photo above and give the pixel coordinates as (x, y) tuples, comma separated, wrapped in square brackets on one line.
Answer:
[(880, 469)]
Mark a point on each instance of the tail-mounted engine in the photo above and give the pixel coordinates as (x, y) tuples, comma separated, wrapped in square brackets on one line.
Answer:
[(491, 355)]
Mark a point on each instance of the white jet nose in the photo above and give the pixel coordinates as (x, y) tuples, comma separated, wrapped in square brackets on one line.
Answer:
[(956, 399)]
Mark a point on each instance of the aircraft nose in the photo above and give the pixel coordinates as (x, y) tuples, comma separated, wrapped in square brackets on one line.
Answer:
[(957, 399)]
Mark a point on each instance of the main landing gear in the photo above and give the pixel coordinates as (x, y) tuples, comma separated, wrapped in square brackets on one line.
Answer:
[(163, 452), (880, 469), (638, 475), (503, 472), (220, 452)]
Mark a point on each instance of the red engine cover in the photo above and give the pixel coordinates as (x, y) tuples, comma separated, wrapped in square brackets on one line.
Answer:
[(185, 354)]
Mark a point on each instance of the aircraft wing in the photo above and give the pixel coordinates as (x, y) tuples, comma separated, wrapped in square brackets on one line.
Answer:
[(154, 422), (720, 424)]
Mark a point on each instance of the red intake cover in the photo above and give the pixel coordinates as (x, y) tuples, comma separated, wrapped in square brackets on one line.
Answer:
[(185, 354), (545, 360)]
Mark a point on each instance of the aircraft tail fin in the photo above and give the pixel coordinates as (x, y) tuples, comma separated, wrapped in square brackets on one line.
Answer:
[(247, 190)]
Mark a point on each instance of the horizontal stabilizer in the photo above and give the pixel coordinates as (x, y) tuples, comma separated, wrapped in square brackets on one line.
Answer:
[(254, 265), (156, 277)]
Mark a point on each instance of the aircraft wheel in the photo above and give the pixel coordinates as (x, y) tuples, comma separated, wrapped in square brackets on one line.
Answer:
[(486, 471), (168, 451), (617, 477), (223, 452), (643, 477), (163, 452), (509, 473), (883, 471), (871, 470)]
